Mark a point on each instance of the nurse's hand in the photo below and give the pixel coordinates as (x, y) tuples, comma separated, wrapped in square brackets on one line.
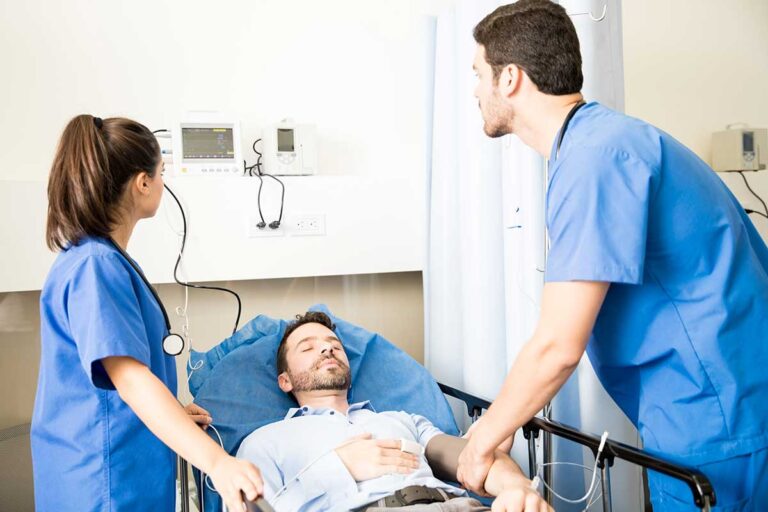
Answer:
[(199, 415), (505, 445), (473, 468), (231, 476)]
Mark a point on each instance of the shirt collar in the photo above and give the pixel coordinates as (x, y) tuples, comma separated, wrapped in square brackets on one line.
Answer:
[(294, 412)]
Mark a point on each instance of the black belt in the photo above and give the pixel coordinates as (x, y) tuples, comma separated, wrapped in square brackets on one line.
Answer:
[(411, 495)]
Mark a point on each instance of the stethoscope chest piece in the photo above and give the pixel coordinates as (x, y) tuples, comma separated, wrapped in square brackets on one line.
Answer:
[(173, 344)]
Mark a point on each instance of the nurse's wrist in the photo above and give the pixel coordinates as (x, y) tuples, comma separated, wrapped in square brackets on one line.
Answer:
[(219, 458), (478, 447)]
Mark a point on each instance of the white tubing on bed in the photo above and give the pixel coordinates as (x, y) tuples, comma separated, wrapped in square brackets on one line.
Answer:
[(588, 497)]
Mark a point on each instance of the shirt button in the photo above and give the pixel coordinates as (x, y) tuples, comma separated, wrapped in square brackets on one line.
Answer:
[(332, 412), (304, 409)]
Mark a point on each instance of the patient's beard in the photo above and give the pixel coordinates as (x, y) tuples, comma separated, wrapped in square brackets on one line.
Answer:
[(317, 379)]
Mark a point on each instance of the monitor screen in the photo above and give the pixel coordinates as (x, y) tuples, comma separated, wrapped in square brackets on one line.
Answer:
[(208, 143), (748, 142), (285, 139)]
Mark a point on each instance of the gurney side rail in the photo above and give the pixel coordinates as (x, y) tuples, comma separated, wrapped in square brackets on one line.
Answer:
[(703, 492)]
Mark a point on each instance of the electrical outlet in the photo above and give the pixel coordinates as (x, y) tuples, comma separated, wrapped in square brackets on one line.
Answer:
[(308, 225), (256, 232)]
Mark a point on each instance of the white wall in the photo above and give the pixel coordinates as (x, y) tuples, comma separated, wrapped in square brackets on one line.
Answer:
[(693, 66), (348, 66), (353, 67)]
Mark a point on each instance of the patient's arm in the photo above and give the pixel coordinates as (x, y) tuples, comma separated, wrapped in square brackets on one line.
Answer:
[(443, 457)]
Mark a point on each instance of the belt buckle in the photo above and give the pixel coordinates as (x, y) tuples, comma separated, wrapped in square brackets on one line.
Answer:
[(425, 495)]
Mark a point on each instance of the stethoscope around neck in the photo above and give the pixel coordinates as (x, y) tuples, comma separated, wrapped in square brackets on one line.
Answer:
[(173, 344), (567, 121)]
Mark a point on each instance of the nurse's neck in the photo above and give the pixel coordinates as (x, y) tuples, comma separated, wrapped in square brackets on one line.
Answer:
[(539, 119), (122, 231)]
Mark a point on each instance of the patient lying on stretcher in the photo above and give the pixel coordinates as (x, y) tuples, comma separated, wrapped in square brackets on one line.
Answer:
[(328, 454)]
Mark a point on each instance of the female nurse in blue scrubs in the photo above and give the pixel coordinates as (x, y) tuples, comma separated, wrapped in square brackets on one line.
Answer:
[(654, 269), (106, 421)]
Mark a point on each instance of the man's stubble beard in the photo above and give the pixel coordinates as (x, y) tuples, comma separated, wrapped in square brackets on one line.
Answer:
[(316, 379)]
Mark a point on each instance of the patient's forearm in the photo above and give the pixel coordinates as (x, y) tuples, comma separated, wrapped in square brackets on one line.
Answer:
[(504, 474), (443, 456)]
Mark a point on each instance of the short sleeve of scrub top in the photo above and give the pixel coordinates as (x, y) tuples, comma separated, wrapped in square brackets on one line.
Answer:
[(104, 313), (597, 215)]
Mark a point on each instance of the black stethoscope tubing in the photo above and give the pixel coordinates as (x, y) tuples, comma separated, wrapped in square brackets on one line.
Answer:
[(564, 128), (173, 344)]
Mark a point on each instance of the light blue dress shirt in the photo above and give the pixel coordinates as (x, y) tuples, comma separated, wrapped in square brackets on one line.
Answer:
[(299, 453), (90, 452), (681, 341)]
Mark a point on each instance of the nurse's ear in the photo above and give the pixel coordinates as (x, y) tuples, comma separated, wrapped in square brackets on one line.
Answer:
[(140, 184), (510, 80)]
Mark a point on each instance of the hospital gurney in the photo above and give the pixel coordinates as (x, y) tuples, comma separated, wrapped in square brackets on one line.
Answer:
[(236, 382)]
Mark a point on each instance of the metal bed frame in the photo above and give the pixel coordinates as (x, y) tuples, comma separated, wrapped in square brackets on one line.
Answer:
[(701, 488)]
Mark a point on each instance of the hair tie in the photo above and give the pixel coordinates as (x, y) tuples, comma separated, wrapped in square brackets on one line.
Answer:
[(98, 122)]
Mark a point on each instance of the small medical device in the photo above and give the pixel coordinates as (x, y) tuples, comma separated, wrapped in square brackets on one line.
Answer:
[(740, 149), (207, 144), (411, 447), (290, 149)]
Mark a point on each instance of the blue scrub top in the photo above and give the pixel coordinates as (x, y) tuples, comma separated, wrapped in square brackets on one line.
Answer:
[(681, 342), (89, 450)]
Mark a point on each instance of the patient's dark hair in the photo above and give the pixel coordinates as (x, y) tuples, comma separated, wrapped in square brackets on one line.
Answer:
[(539, 37), (310, 317)]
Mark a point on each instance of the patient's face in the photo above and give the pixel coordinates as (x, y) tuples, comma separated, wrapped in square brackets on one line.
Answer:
[(316, 361)]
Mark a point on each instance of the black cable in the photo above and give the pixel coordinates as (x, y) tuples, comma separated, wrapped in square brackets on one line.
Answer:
[(199, 286), (282, 195), (258, 160), (181, 252), (758, 213), (259, 174), (741, 173), (258, 200)]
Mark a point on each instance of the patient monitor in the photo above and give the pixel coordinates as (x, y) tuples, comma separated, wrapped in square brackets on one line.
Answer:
[(740, 149), (207, 144), (290, 149)]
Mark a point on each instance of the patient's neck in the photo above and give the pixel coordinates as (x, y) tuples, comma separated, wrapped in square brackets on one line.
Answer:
[(335, 399)]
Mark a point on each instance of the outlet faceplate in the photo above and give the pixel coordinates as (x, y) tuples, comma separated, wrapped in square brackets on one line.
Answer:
[(310, 224)]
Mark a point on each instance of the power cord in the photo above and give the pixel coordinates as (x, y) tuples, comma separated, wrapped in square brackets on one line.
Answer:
[(255, 170), (741, 173), (181, 254)]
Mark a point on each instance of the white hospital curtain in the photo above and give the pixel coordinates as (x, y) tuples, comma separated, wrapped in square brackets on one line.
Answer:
[(486, 245), (464, 278)]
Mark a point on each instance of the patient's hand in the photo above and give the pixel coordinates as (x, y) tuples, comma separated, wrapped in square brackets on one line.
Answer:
[(520, 499), (513, 490), (367, 458)]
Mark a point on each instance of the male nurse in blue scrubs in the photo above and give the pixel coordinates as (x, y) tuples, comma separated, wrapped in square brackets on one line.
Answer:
[(654, 269)]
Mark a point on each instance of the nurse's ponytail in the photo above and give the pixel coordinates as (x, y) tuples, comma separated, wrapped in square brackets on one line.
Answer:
[(94, 161)]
